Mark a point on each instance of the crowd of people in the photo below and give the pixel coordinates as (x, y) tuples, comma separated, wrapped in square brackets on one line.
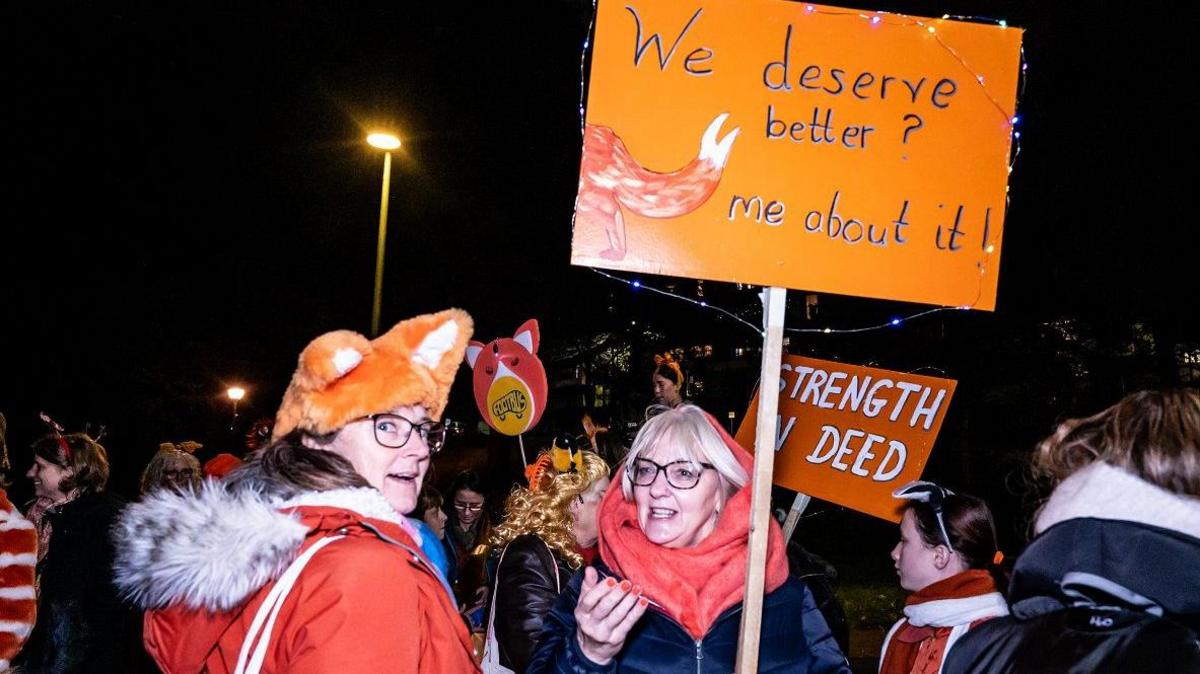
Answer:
[(325, 550)]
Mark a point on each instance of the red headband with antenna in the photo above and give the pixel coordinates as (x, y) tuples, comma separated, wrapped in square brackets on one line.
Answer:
[(58, 432)]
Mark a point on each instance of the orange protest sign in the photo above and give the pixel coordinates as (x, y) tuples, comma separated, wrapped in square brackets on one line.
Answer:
[(851, 434), (799, 146)]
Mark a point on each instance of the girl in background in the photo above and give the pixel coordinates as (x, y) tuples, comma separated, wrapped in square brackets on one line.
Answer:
[(946, 558)]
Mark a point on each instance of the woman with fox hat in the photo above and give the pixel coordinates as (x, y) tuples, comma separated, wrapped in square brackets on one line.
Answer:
[(302, 560)]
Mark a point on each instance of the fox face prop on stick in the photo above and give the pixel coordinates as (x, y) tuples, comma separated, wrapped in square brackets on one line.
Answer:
[(510, 382)]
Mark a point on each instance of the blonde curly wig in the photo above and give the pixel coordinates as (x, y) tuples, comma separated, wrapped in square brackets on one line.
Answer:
[(546, 513)]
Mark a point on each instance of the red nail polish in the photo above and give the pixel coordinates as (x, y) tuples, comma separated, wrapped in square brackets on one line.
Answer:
[(625, 585), (610, 582), (643, 601)]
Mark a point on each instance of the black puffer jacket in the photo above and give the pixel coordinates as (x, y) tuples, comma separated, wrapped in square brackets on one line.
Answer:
[(794, 639), (1098, 597), (82, 627), (528, 581)]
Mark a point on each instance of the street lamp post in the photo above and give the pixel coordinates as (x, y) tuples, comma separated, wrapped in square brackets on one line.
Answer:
[(235, 393), (386, 142)]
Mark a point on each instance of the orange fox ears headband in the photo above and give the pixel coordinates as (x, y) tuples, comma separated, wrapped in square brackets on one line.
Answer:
[(666, 362), (342, 376)]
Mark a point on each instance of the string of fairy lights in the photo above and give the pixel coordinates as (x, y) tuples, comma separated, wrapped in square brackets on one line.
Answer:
[(638, 285), (873, 19)]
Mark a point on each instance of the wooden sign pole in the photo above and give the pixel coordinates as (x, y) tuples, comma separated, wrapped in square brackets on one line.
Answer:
[(793, 517), (774, 304)]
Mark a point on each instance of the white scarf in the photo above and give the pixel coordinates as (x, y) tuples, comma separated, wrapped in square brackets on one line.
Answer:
[(961, 611)]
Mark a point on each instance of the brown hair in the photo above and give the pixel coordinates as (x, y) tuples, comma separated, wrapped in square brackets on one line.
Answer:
[(288, 466), (86, 461), (4, 464), (969, 524), (428, 499), (972, 532), (1152, 434)]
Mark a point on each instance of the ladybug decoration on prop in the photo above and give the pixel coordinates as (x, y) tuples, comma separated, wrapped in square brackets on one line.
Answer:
[(509, 380)]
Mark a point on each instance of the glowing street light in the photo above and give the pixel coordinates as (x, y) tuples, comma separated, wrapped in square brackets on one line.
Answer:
[(235, 394), (383, 141), (386, 142)]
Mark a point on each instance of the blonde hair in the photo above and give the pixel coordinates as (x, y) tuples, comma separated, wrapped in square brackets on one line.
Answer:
[(168, 454), (546, 512), (1154, 435), (688, 428)]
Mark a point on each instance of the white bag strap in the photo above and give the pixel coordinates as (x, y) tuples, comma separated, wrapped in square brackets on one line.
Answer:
[(251, 663), (554, 563), (491, 648)]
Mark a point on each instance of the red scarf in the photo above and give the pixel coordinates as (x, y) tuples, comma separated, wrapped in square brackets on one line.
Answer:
[(920, 649), (694, 585)]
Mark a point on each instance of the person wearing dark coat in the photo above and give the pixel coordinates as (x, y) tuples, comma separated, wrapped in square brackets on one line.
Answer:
[(1111, 583), (665, 593), (468, 532), (549, 532), (819, 576), (82, 627)]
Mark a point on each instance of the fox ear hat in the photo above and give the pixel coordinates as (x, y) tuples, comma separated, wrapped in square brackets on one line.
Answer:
[(343, 376)]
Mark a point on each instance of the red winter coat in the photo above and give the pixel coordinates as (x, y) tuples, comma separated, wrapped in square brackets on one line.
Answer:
[(368, 602)]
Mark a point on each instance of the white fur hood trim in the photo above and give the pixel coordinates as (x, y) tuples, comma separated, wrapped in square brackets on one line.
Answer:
[(214, 549), (1106, 492)]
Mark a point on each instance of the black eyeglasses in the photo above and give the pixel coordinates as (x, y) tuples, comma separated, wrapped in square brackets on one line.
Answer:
[(393, 430), (682, 474), (932, 494)]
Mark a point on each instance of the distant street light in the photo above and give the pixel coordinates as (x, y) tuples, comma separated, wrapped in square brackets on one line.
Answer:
[(235, 393), (386, 142)]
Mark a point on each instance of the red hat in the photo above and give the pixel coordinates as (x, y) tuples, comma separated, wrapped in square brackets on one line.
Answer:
[(220, 465)]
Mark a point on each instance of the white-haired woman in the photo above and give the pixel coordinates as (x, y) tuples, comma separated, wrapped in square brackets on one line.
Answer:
[(666, 592)]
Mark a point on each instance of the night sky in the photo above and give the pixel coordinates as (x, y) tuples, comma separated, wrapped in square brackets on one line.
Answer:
[(190, 200)]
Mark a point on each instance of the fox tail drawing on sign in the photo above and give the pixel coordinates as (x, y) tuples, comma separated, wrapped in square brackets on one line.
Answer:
[(611, 179), (509, 380)]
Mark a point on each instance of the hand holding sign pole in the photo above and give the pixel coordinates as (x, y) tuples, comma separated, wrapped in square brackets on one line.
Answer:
[(509, 381)]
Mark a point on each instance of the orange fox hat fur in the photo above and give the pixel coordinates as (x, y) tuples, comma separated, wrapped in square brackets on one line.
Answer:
[(343, 376)]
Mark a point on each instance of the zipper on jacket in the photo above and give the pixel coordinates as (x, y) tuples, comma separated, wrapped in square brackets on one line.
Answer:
[(699, 656)]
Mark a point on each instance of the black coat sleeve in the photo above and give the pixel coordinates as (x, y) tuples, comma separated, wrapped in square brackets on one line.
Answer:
[(526, 589)]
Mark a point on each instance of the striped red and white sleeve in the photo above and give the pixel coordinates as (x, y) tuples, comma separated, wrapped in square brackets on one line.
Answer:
[(18, 599)]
